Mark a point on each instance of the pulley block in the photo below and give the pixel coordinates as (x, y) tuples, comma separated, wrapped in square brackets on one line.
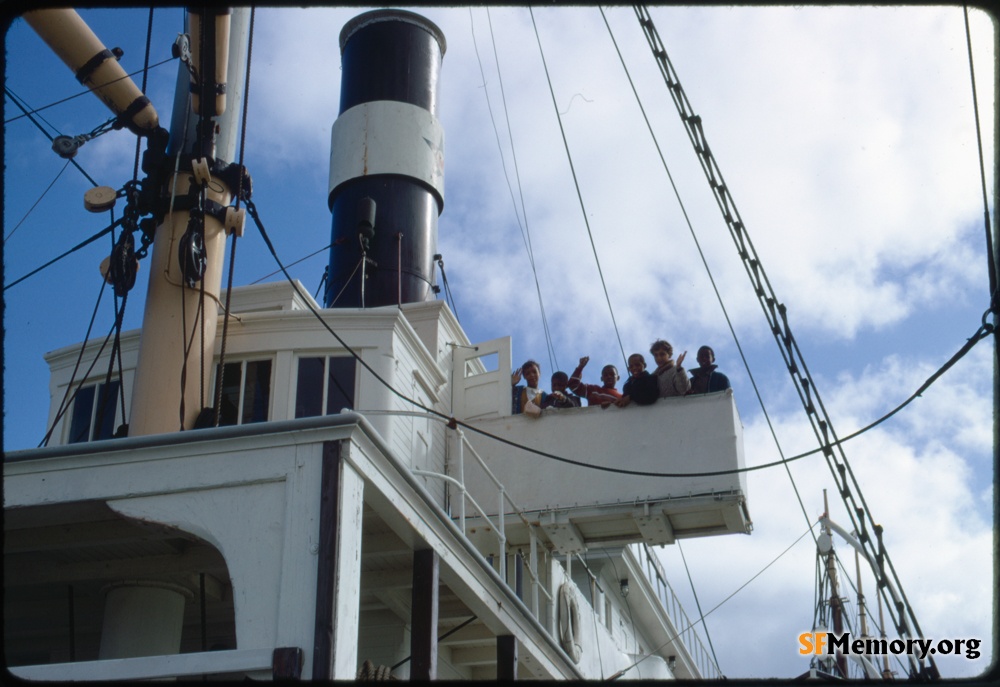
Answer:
[(99, 199), (199, 168), (235, 221), (123, 266), (66, 146), (191, 252)]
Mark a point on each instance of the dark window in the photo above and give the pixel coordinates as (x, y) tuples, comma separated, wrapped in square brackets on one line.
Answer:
[(257, 391), (246, 392), (94, 411), (339, 385), (325, 386), (83, 410), (309, 393)]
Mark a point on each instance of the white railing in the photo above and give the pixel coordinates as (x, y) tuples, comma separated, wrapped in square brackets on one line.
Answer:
[(685, 628), (499, 526), (650, 563)]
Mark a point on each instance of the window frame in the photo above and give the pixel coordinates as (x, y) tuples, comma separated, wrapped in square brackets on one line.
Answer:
[(94, 432), (325, 389), (244, 364)]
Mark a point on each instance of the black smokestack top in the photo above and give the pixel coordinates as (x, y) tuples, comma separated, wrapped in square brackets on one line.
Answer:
[(387, 161)]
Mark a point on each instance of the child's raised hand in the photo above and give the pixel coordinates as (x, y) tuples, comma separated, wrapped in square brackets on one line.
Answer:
[(680, 358), (584, 360), (516, 377)]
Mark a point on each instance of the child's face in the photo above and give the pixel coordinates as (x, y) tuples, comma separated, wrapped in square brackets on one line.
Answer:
[(661, 356), (609, 375), (705, 357), (558, 384), (531, 375), (636, 364)]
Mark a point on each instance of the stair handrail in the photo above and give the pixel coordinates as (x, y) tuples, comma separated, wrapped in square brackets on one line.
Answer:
[(503, 497)]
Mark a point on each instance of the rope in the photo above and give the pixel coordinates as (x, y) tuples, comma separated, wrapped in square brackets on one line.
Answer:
[(708, 271), (346, 282), (76, 367), (628, 607), (28, 113), (32, 208), (232, 248), (576, 183), (525, 231), (102, 232), (292, 264), (717, 606), (188, 343), (447, 634), (201, 331), (777, 316), (184, 361), (129, 228), (16, 100), (142, 89), (992, 269), (454, 422), (447, 290), (116, 351), (80, 385), (322, 281), (118, 348), (697, 603)]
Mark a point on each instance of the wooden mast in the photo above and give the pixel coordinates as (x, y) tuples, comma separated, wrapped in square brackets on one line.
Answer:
[(177, 344)]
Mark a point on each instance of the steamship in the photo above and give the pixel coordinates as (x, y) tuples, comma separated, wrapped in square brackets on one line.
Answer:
[(363, 503)]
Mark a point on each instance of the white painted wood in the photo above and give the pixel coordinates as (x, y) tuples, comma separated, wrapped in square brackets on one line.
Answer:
[(61, 365), (178, 665), (476, 392), (273, 321), (669, 633), (283, 376), (412, 518), (347, 589), (693, 434), (418, 349), (299, 548), (245, 524), (437, 328), (564, 535)]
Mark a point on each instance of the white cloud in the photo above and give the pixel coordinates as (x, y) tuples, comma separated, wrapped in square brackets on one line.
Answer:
[(917, 485)]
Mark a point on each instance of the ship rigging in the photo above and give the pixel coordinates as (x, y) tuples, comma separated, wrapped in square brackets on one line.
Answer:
[(779, 328)]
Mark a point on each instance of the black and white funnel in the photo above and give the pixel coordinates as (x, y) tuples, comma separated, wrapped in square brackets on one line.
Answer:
[(386, 162)]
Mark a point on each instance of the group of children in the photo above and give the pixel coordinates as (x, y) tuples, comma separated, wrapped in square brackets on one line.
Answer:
[(642, 387)]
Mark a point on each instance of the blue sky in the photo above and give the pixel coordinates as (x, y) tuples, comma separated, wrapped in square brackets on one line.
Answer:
[(847, 138)]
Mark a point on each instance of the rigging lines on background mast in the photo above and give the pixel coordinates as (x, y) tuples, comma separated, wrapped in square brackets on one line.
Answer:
[(777, 318)]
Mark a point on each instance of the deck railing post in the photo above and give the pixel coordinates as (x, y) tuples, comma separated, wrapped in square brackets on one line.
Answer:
[(533, 565), (501, 530), (460, 469)]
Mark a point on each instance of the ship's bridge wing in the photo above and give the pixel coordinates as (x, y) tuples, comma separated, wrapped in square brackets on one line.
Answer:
[(696, 440)]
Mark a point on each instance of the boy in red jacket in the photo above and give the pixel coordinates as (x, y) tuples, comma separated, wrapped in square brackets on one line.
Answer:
[(596, 395)]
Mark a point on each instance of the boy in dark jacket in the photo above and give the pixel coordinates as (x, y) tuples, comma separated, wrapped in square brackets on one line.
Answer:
[(705, 379), (561, 397), (641, 386)]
